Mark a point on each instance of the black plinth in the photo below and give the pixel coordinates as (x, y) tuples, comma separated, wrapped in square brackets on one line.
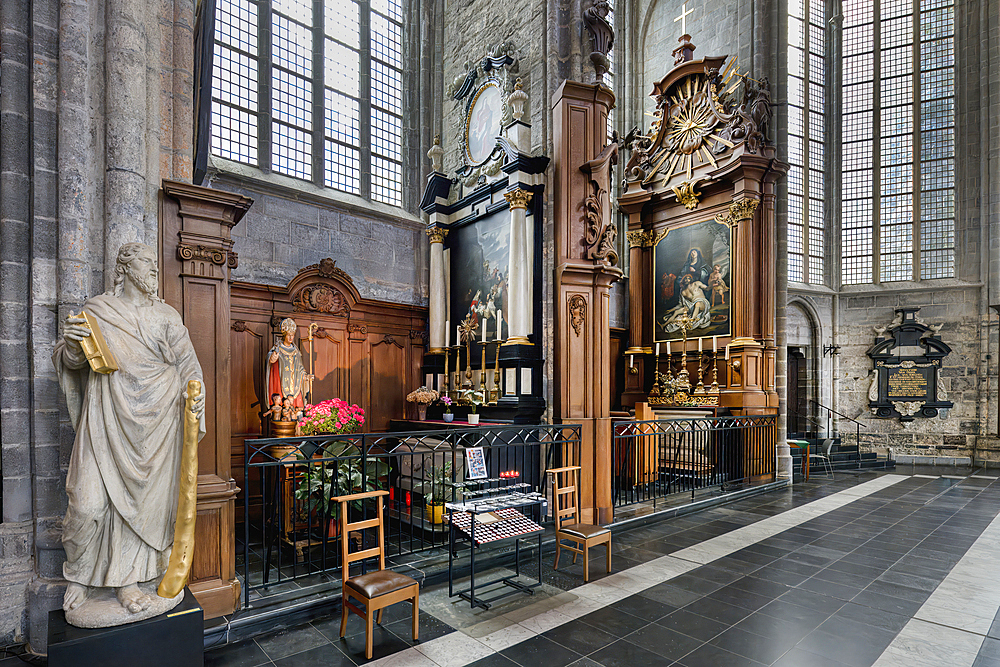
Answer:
[(168, 640)]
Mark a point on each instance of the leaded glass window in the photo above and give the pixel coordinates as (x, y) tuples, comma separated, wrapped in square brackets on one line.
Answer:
[(322, 101), (806, 176), (898, 142)]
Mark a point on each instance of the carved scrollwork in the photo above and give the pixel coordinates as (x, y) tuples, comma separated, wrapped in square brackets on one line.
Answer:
[(327, 268), (600, 235), (234, 260), (908, 408), (239, 326), (577, 312), (358, 329), (687, 195), (322, 299), (422, 335), (186, 252)]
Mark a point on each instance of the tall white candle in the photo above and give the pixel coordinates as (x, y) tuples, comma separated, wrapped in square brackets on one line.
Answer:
[(458, 335), (499, 323), (699, 345), (631, 361), (484, 330), (658, 349), (668, 348), (447, 333), (727, 351), (714, 346)]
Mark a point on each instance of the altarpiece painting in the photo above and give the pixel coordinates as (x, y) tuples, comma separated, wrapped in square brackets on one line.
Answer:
[(691, 276)]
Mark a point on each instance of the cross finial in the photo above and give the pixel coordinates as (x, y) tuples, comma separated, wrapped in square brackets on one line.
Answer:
[(683, 17)]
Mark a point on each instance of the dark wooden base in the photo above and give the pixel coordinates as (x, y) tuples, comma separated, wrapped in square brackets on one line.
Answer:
[(168, 640)]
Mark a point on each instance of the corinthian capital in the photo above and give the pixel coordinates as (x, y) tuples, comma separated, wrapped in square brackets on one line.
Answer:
[(517, 198), (436, 234)]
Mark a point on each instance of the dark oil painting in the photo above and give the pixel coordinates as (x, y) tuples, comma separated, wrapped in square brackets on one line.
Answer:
[(479, 253), (692, 276)]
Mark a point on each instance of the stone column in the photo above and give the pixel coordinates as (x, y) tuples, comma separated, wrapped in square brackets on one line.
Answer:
[(438, 289), (519, 270), (125, 126)]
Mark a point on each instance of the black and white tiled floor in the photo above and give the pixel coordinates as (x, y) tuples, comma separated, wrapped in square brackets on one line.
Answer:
[(867, 569)]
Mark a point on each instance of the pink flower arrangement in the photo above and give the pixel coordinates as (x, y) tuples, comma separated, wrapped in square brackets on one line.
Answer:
[(333, 416)]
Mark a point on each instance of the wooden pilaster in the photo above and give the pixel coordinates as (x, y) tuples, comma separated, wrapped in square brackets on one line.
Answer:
[(195, 262), (584, 273)]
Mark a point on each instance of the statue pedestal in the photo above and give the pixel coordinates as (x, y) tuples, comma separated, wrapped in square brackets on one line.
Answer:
[(175, 638)]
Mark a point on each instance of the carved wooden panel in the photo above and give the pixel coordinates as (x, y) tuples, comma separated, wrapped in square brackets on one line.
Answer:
[(386, 395), (332, 361), (202, 565)]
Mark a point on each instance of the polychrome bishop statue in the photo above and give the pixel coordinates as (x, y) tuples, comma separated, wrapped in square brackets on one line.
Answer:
[(136, 427)]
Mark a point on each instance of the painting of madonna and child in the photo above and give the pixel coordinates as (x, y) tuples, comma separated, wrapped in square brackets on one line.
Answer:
[(692, 269)]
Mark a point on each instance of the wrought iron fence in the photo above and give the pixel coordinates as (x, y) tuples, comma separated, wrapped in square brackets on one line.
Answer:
[(655, 459), (291, 528)]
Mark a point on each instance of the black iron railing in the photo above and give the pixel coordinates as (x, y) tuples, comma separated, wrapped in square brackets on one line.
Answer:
[(655, 459), (291, 528)]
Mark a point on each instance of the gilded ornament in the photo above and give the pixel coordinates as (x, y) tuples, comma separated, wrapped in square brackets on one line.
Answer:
[(517, 198), (436, 234), (636, 239), (738, 210), (687, 195)]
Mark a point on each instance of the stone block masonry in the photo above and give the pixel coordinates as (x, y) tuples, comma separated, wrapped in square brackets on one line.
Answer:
[(386, 257)]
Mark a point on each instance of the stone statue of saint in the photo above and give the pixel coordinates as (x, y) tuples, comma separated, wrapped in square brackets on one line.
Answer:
[(286, 375), (123, 477)]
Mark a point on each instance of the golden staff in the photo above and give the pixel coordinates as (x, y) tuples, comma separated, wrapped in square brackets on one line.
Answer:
[(312, 362), (179, 567)]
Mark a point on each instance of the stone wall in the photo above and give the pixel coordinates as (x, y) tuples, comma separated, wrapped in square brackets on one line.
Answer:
[(958, 310), (385, 255)]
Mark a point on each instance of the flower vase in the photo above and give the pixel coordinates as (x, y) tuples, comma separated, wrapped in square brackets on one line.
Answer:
[(449, 417), (473, 418), (421, 411)]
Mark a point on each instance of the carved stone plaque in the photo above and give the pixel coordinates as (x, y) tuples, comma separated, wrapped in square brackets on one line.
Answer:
[(908, 355)]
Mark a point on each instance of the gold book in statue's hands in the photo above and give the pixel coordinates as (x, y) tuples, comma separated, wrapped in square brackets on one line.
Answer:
[(95, 348)]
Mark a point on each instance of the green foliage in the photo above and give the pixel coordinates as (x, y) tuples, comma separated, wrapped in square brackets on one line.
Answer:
[(439, 477), (322, 481)]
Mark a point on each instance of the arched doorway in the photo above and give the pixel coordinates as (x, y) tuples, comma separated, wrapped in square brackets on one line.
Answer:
[(802, 384)]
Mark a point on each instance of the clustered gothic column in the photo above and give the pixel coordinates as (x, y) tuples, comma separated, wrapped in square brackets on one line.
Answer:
[(438, 289), (519, 268)]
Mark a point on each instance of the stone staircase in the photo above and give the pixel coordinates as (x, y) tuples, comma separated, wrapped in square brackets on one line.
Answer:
[(842, 457)]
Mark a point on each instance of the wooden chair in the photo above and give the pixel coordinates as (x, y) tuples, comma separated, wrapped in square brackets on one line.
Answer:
[(565, 499), (375, 590)]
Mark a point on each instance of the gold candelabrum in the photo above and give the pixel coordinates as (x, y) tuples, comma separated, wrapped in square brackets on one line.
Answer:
[(675, 390), (495, 392), (447, 373)]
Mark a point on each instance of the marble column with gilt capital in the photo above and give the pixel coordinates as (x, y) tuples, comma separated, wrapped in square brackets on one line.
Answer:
[(438, 289), (519, 269)]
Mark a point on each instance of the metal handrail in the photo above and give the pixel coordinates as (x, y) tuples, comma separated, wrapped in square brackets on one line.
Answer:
[(829, 411)]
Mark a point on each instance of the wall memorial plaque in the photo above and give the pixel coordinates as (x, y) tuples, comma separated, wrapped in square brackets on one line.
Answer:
[(906, 383)]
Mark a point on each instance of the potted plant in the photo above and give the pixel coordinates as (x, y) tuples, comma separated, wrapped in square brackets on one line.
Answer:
[(447, 402), (474, 399), (435, 497), (333, 417), (422, 397), (324, 480)]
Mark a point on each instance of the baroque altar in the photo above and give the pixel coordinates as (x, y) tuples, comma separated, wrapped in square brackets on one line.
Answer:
[(699, 192)]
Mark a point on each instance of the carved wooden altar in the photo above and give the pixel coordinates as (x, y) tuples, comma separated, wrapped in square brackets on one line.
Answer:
[(705, 161), (365, 351)]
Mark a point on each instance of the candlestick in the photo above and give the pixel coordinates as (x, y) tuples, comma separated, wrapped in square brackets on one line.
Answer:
[(482, 364), (447, 372), (495, 394)]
